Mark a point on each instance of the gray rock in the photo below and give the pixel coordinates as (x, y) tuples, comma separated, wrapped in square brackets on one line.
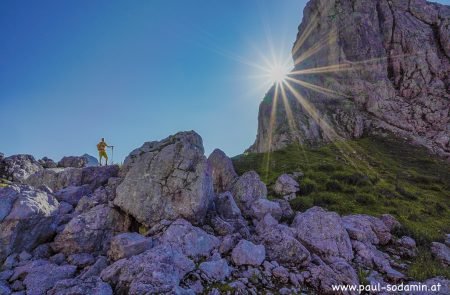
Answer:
[(285, 185), (56, 179), (58, 258), (404, 247), (281, 246), (287, 212), (441, 252), (81, 260), (158, 270), (367, 229), (60, 178), (261, 207), (322, 277), (390, 222), (323, 233), (223, 172), (94, 270), (447, 240), (247, 253), (226, 207), (169, 179), (41, 275), (247, 189), (90, 286), (91, 161), (19, 167), (72, 162), (217, 270), (192, 241), (126, 245), (91, 231), (47, 163), (72, 194), (368, 255), (26, 218), (4, 288), (42, 251), (281, 273)]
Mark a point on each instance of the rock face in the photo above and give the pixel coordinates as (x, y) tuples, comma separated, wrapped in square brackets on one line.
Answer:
[(247, 253), (158, 270), (91, 231), (19, 167), (26, 218), (128, 244), (323, 232), (441, 252), (222, 171), (169, 179), (362, 66), (247, 189)]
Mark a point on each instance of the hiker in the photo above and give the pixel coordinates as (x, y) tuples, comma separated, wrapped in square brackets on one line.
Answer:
[(101, 147)]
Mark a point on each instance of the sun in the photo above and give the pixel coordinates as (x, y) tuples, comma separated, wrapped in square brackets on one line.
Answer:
[(278, 73)]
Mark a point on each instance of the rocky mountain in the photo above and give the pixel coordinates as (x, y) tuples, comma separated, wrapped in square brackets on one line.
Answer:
[(364, 67), (171, 221)]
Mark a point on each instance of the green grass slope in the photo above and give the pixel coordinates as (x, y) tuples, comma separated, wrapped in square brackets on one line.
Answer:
[(373, 175)]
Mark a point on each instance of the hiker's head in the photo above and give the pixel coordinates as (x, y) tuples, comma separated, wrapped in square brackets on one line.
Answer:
[(103, 139)]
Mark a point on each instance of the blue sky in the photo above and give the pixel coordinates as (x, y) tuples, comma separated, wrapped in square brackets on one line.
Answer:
[(72, 72)]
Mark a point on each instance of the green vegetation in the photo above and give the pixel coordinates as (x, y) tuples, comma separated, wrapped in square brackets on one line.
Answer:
[(373, 175), (3, 183)]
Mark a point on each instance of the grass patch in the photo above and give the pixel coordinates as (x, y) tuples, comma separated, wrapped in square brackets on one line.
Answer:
[(424, 266), (373, 175)]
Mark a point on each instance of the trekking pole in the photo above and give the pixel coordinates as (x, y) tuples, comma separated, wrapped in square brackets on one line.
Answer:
[(112, 155)]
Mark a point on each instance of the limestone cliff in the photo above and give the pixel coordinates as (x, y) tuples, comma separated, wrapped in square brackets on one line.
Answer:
[(364, 66)]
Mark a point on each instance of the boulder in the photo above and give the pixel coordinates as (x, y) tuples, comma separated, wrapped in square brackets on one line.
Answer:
[(72, 194), (247, 189), (216, 270), (98, 176), (367, 255), (283, 247), (261, 207), (226, 207), (390, 222), (91, 161), (322, 277), (40, 275), (288, 213), (81, 260), (56, 179), (158, 270), (169, 179), (441, 252), (223, 172), (192, 241), (47, 163), (91, 231), (72, 161), (19, 167), (404, 247), (285, 185), (60, 178), (367, 229), (323, 233), (26, 218), (90, 286), (4, 288), (126, 245), (247, 253)]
